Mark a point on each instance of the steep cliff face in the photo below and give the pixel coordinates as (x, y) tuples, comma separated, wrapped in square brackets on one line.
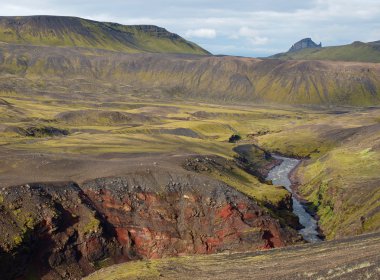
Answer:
[(63, 231), (306, 43), (51, 230)]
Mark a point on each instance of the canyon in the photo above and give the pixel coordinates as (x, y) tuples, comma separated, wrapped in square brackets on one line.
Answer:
[(65, 231)]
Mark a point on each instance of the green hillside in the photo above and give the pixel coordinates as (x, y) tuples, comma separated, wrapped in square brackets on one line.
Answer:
[(72, 71), (78, 32), (357, 51)]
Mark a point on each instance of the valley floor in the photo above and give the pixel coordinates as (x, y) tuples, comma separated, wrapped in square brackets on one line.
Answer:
[(44, 138)]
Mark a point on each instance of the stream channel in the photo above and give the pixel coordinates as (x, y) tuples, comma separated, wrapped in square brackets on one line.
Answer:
[(279, 175)]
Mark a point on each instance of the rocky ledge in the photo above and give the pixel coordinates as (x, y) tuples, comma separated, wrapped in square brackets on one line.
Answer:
[(66, 231)]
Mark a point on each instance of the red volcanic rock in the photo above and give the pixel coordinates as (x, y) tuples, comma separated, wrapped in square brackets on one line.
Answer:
[(193, 215), (65, 229)]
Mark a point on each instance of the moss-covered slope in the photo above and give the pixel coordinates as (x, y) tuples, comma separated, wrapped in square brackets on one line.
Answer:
[(69, 71), (78, 32), (357, 51), (355, 258), (341, 175)]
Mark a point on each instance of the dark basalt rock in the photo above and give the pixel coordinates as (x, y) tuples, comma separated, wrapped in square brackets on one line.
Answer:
[(45, 131), (306, 43)]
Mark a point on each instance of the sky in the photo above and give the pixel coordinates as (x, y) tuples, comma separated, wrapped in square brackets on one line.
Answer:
[(235, 27)]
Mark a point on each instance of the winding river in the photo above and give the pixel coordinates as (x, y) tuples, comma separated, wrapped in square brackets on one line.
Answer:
[(279, 175)]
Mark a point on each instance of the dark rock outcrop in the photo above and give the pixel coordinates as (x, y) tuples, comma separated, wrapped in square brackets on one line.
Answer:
[(44, 131), (65, 231), (306, 43)]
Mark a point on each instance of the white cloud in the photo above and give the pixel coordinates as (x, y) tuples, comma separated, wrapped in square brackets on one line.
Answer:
[(201, 33), (258, 40), (247, 32), (8, 9), (252, 36)]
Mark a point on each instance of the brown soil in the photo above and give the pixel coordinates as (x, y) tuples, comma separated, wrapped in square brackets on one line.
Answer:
[(354, 258)]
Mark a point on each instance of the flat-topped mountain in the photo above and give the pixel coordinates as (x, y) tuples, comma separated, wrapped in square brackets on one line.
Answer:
[(306, 43), (78, 32)]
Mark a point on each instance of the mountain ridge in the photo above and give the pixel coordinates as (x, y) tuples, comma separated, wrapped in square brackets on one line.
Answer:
[(356, 51), (223, 79), (65, 31)]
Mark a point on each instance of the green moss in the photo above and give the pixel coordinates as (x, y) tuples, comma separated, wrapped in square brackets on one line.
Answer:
[(17, 240), (103, 263), (91, 226), (372, 223), (366, 153), (29, 222), (135, 269), (16, 212), (299, 143), (251, 186)]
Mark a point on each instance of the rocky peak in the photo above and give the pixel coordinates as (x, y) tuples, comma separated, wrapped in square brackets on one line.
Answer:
[(306, 43)]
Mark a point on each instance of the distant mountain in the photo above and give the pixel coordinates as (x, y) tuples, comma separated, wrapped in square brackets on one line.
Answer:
[(357, 51), (78, 32), (306, 43), (43, 54), (70, 72)]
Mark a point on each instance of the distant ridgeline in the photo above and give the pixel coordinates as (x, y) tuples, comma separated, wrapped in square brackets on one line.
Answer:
[(306, 43), (64, 31), (70, 56), (306, 49)]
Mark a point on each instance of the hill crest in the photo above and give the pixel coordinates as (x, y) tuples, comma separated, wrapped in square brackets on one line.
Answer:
[(65, 31), (357, 51)]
